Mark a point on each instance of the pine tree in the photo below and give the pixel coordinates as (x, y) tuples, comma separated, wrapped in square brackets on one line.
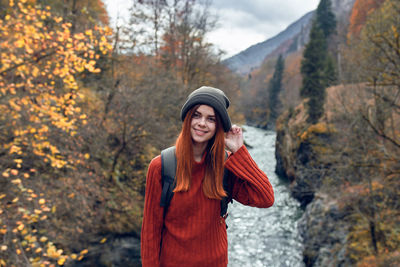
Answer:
[(275, 87), (327, 22), (331, 75), (317, 67), (325, 18), (313, 72)]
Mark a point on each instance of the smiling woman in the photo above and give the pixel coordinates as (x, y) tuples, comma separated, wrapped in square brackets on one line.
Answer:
[(192, 232), (203, 126)]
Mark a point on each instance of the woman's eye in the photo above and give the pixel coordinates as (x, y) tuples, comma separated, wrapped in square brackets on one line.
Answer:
[(211, 119)]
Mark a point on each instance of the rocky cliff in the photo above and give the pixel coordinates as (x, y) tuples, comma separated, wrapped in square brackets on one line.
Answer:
[(302, 157)]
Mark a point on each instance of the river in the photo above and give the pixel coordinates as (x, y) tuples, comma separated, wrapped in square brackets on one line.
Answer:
[(265, 237)]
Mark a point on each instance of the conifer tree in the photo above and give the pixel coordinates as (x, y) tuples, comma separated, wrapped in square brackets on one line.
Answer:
[(313, 71), (325, 17), (317, 67), (275, 87)]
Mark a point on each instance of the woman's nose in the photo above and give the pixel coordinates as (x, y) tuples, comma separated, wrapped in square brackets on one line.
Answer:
[(202, 121)]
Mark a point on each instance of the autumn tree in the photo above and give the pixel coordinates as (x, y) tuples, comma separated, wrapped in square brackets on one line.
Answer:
[(76, 142), (175, 30), (360, 12), (82, 15), (366, 151), (145, 25), (185, 48), (378, 53), (39, 95)]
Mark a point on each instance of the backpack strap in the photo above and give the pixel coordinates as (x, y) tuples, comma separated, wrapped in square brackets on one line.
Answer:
[(228, 189), (168, 170)]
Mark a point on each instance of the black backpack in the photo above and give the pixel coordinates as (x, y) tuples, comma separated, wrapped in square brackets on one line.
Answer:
[(168, 170)]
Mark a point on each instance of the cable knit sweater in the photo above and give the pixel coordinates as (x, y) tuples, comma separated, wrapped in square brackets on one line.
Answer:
[(194, 233)]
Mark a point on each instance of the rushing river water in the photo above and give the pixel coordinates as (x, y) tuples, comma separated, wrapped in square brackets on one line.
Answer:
[(265, 237)]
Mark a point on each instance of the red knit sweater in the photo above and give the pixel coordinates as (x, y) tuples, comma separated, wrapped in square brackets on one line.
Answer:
[(195, 233)]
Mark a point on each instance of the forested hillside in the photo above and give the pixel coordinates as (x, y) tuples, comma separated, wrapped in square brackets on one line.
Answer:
[(340, 147), (83, 109)]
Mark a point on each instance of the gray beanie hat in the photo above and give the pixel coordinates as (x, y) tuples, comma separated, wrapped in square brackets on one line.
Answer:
[(210, 96)]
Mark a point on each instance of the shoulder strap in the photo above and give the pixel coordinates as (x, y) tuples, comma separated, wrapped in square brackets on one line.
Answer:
[(168, 170), (228, 189)]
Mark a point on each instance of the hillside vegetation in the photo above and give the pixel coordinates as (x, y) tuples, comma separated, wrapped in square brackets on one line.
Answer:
[(83, 110), (345, 168)]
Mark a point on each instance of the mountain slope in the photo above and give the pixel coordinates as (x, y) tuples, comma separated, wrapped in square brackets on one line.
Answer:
[(253, 56)]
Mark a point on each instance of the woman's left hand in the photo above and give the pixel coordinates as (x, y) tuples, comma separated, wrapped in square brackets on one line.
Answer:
[(234, 138)]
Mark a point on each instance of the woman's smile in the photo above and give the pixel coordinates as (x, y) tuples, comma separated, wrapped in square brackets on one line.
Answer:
[(200, 132), (203, 124)]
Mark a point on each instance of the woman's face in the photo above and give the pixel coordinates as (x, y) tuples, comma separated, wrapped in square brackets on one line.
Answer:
[(203, 125)]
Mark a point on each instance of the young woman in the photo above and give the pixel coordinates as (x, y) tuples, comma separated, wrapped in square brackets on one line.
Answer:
[(193, 233)]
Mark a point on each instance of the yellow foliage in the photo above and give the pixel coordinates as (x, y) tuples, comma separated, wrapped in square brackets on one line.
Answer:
[(16, 181), (39, 64), (61, 261), (21, 227), (319, 128)]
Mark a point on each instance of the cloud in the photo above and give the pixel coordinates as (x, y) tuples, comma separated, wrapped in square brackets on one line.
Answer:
[(241, 23), (245, 23)]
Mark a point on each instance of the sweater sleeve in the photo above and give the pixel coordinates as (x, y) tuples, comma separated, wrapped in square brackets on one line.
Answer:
[(152, 216), (250, 184)]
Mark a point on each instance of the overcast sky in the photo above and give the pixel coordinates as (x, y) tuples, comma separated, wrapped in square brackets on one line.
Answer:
[(241, 23)]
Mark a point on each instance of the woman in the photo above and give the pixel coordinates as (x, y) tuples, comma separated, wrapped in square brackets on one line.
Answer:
[(193, 233)]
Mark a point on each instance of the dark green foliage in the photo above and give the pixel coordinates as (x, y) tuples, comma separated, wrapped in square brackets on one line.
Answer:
[(275, 87), (313, 71), (331, 76), (325, 18), (313, 64), (317, 67)]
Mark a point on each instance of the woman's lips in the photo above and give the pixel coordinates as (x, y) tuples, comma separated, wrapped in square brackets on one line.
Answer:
[(200, 132)]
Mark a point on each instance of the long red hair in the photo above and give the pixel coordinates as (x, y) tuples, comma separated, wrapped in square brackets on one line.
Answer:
[(213, 180)]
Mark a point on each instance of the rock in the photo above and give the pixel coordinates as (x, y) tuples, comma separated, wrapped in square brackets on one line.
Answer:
[(324, 233), (302, 154), (120, 251)]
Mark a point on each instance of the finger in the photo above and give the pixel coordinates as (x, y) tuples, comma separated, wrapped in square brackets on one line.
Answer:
[(234, 128), (238, 129)]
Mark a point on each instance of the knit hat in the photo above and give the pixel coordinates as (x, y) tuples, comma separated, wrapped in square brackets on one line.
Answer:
[(210, 96)]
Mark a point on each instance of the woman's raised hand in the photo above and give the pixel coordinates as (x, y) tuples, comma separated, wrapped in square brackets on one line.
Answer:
[(234, 138)]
